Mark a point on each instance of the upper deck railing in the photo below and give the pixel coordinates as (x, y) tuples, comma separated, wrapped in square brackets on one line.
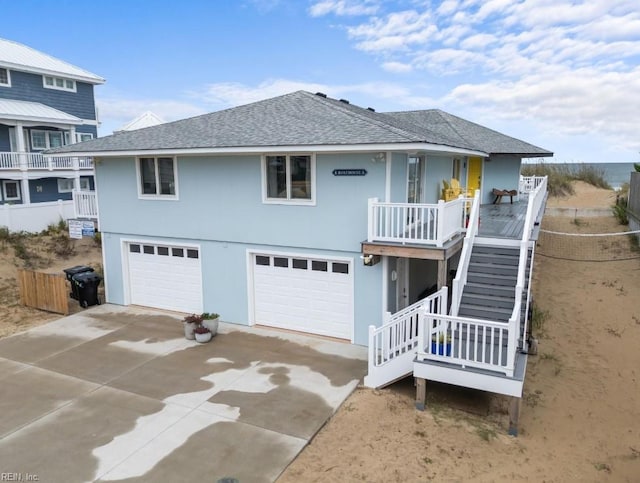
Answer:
[(38, 161)]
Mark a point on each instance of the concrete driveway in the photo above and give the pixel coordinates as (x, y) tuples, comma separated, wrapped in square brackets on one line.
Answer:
[(117, 393)]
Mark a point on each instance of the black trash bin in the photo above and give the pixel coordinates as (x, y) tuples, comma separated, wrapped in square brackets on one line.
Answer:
[(86, 285), (70, 272)]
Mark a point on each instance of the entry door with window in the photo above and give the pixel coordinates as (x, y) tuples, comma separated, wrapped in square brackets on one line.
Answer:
[(415, 176)]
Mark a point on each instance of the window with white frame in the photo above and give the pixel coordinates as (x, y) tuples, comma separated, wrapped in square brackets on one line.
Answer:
[(289, 178), (46, 139), (65, 185), (59, 83), (11, 190), (85, 185), (83, 136), (5, 77), (157, 177)]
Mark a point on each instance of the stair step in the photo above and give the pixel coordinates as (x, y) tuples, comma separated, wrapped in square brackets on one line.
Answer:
[(492, 268), (489, 279), (481, 312), (496, 259), (497, 290), (488, 300), (509, 251)]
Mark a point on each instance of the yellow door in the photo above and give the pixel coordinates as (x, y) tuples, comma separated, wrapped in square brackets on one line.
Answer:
[(474, 174)]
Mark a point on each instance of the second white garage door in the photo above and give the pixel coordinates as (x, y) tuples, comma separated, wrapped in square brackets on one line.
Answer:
[(305, 294), (165, 276)]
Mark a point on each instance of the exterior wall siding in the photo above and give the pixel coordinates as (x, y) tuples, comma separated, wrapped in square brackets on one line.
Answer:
[(501, 172), (220, 198), (438, 169), (398, 178), (46, 189), (226, 284), (5, 143), (26, 86)]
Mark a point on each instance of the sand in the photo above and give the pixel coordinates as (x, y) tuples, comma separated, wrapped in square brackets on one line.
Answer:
[(581, 408), (580, 419), (41, 256)]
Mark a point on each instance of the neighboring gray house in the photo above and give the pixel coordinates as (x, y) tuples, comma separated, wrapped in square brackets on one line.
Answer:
[(311, 214), (44, 103)]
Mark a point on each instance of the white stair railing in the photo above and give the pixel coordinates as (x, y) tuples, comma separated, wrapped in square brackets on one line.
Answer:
[(465, 255), (85, 204), (392, 347)]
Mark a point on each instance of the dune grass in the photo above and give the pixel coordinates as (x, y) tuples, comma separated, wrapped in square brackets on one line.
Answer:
[(560, 176)]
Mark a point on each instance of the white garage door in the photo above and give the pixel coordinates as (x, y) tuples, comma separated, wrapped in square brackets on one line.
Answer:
[(165, 276), (306, 294)]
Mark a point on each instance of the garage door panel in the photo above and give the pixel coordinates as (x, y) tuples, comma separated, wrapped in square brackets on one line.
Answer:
[(308, 300), (165, 281)]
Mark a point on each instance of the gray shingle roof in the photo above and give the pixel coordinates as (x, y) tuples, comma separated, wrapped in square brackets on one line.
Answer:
[(297, 119)]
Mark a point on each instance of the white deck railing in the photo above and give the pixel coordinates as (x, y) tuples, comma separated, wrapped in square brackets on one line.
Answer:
[(392, 347), (530, 183), (468, 342), (534, 206), (85, 204), (465, 254), (28, 161), (425, 224)]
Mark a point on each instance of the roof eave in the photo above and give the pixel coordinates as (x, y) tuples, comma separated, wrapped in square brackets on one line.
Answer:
[(318, 148), (36, 70)]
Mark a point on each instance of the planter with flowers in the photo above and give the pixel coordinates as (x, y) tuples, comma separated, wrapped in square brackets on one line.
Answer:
[(210, 321), (202, 334), (190, 323)]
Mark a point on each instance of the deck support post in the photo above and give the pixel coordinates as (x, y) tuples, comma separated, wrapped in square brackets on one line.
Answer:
[(421, 393), (514, 415), (442, 273)]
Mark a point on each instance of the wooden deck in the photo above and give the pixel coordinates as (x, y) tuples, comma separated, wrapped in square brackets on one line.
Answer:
[(504, 220)]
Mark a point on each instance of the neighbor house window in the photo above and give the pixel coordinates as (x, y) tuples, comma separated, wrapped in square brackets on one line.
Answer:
[(65, 185), (157, 177), (85, 184), (46, 139), (59, 83), (289, 178), (83, 136), (10, 190), (5, 79)]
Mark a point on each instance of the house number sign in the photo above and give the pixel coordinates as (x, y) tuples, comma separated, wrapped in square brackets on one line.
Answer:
[(349, 172)]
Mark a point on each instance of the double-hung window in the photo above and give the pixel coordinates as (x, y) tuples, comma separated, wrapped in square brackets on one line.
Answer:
[(157, 178), (289, 179), (5, 77)]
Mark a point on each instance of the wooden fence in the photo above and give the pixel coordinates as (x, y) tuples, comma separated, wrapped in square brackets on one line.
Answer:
[(44, 291)]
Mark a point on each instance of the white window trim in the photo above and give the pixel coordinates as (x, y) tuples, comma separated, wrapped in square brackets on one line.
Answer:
[(86, 183), (47, 140), (8, 84), (80, 134), (58, 88), (143, 196), (288, 200), (65, 190), (4, 190)]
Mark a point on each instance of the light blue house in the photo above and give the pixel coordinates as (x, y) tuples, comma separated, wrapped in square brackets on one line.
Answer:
[(44, 103), (305, 213)]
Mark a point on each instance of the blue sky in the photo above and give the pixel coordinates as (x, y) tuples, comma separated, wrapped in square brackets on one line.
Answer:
[(563, 75)]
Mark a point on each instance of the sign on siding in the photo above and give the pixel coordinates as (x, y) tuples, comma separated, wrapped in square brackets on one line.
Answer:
[(349, 172)]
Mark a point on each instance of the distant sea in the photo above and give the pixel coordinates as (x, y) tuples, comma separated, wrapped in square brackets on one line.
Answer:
[(615, 173)]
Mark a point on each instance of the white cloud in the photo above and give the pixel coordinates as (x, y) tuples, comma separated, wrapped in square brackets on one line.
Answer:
[(398, 67), (343, 8)]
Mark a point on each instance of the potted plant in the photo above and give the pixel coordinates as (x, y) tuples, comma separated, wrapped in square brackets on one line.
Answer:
[(441, 344), (210, 321), (190, 323), (202, 334)]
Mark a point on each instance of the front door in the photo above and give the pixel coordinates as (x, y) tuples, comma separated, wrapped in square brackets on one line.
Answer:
[(402, 283), (415, 191), (474, 174)]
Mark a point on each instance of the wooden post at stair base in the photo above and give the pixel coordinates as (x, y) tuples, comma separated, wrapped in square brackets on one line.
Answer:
[(442, 273), (514, 415), (421, 393)]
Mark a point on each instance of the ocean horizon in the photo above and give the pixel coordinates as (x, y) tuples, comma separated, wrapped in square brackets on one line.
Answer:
[(616, 174)]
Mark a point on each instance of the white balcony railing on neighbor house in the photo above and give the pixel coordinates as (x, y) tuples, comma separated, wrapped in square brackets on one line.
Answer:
[(426, 224), (85, 204), (28, 161)]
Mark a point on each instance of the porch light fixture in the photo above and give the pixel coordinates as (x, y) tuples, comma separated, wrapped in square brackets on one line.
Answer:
[(379, 158)]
